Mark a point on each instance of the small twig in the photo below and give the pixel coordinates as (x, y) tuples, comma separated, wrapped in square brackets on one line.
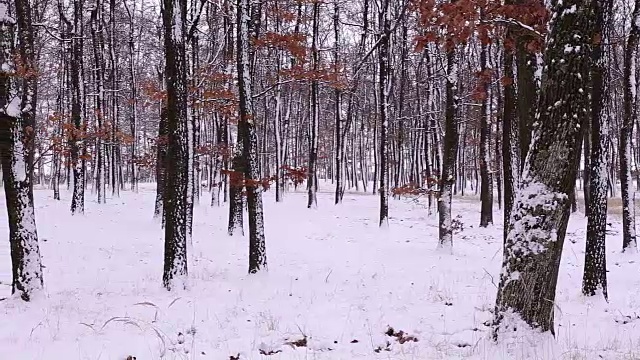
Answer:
[(326, 279), (491, 276)]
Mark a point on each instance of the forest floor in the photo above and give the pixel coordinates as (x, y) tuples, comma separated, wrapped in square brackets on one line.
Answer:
[(336, 284)]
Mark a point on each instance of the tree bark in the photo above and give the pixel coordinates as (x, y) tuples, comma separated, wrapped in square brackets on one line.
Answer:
[(595, 265), (77, 108), (449, 152), (312, 200), (541, 209), (247, 130), (486, 175), (17, 125), (510, 136), (383, 109), (175, 195), (629, 242), (161, 161)]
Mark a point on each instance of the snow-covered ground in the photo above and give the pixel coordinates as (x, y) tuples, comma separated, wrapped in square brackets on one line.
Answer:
[(334, 279)]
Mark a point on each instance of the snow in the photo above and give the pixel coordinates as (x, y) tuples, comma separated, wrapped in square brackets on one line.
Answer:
[(13, 108), (19, 166), (4, 14), (334, 278)]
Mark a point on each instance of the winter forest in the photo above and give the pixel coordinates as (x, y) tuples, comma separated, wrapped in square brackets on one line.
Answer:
[(319, 179)]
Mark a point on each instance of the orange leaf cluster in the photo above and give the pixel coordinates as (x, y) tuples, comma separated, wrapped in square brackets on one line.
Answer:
[(291, 42), (456, 22)]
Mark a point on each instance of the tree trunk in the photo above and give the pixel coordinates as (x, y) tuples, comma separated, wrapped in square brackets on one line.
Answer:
[(17, 124), (175, 195), (312, 201), (247, 130), (595, 264), (450, 152), (100, 108), (541, 209), (383, 109), (133, 119), (510, 137), (161, 163), (486, 175), (236, 188), (629, 242), (77, 108)]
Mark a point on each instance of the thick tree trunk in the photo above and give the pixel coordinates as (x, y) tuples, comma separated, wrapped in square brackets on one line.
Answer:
[(175, 195), (17, 124), (541, 209), (595, 264)]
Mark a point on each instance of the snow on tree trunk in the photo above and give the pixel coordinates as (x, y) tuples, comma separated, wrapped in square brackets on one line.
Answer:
[(161, 162), (312, 200), (177, 178), (541, 208), (595, 265), (337, 94), (629, 242), (17, 120), (449, 153), (486, 175), (133, 120), (100, 105), (247, 131), (383, 109), (236, 187), (77, 108)]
